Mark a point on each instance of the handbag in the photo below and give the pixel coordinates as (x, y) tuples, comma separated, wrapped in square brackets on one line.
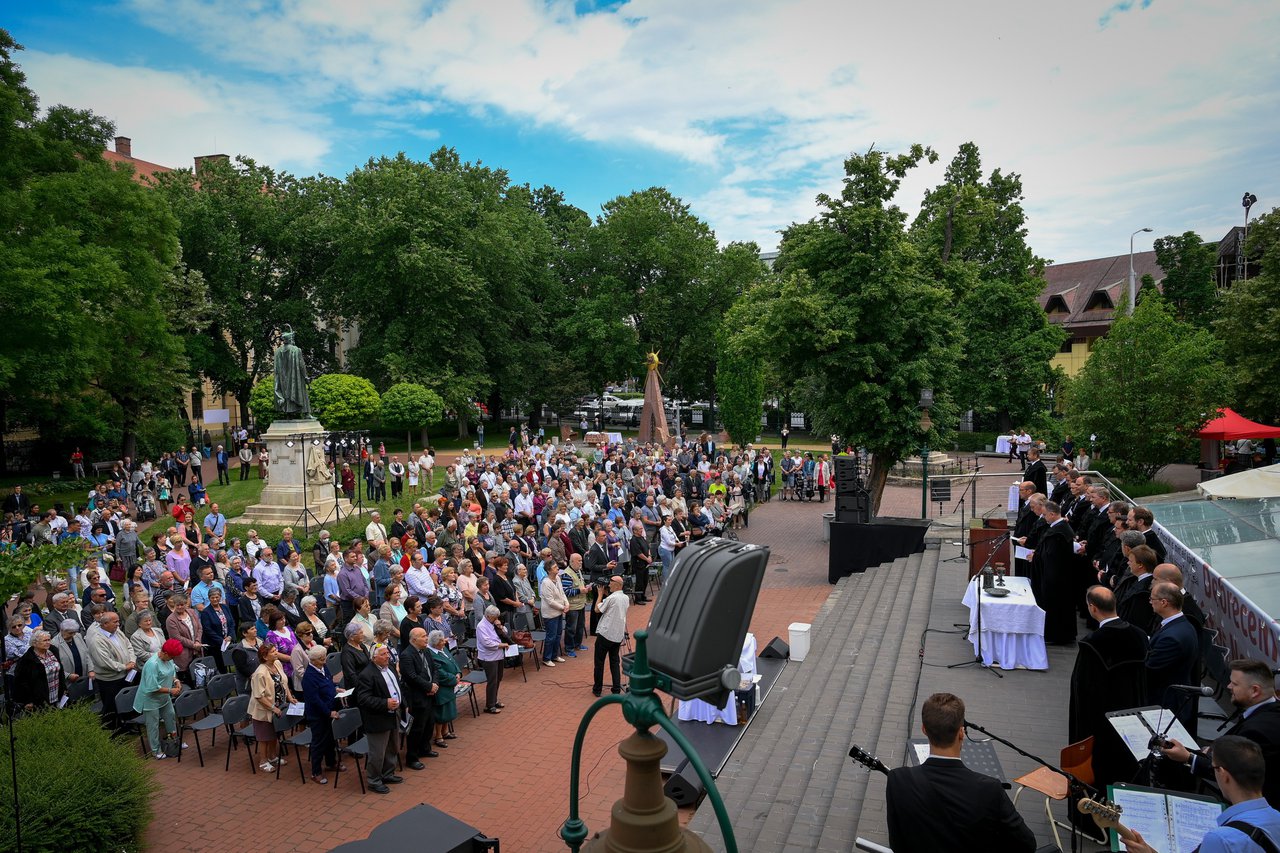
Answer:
[(522, 638)]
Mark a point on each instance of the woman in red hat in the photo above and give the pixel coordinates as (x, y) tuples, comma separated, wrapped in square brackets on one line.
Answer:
[(154, 699)]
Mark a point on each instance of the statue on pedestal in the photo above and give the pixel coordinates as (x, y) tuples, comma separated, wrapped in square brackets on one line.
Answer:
[(292, 399)]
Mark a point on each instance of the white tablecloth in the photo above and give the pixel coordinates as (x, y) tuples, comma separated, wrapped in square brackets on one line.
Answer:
[(1012, 627), (697, 709), (1003, 442)]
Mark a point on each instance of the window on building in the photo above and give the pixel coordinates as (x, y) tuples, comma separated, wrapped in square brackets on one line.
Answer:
[(1100, 300), (1057, 305), (197, 404)]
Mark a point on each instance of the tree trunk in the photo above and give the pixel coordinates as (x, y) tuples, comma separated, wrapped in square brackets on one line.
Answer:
[(535, 415), (242, 401), (880, 466), (4, 427), (1004, 422), (423, 439), (129, 431), (408, 442), (495, 406), (463, 433)]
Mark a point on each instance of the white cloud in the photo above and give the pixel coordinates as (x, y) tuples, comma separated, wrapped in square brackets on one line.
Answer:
[(173, 117), (1114, 112)]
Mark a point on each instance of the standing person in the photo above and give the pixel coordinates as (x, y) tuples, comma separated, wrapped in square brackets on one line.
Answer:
[(395, 471), (183, 625), (943, 805), (39, 679), (154, 699), (554, 605), (418, 678), (641, 559), (491, 650), (447, 676), (575, 590), (77, 464), (321, 706), (786, 434), (1052, 578), (271, 695), (113, 663), (218, 625), (611, 630), (222, 460), (378, 698), (245, 455), (351, 585), (823, 473)]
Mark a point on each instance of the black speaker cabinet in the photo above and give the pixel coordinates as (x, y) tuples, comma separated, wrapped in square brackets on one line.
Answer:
[(848, 476), (777, 649), (855, 507), (683, 786)]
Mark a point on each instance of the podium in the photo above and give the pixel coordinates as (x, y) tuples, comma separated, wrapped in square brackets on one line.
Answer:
[(982, 541)]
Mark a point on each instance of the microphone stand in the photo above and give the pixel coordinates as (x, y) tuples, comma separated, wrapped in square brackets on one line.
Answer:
[(977, 659), (1075, 787)]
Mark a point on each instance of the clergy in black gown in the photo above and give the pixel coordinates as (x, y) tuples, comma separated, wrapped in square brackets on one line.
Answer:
[(1053, 577), (1109, 675)]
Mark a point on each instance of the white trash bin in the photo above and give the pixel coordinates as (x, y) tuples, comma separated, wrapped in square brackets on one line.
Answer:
[(799, 636)]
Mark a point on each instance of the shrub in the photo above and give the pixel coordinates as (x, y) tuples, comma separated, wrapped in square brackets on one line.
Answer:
[(974, 442), (100, 798)]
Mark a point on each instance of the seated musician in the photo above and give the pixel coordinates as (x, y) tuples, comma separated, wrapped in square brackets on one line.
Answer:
[(943, 805)]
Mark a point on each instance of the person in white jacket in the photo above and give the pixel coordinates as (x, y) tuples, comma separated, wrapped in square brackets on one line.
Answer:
[(554, 604), (114, 664)]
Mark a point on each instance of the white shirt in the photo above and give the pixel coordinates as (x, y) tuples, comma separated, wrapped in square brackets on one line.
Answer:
[(524, 504), (668, 536), (419, 582), (375, 532), (389, 677), (612, 624)]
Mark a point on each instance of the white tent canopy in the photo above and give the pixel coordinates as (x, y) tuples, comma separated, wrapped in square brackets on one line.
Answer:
[(1254, 483)]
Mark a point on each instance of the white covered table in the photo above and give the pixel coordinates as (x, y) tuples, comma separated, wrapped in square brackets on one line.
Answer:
[(1012, 627), (697, 709), (1003, 443)]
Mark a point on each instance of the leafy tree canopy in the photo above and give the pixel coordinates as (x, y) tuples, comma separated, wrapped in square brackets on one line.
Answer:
[(342, 401), (1249, 325), (1189, 287)]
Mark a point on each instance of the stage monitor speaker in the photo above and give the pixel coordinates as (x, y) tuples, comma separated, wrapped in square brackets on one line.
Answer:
[(777, 649), (683, 786), (855, 508), (848, 475)]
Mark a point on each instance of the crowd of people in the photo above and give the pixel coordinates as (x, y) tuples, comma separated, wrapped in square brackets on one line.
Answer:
[(549, 538)]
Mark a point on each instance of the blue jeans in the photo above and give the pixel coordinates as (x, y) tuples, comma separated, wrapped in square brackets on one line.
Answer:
[(551, 646), (668, 559), (574, 629)]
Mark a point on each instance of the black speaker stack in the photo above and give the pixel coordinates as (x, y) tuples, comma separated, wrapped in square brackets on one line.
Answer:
[(853, 501), (683, 786)]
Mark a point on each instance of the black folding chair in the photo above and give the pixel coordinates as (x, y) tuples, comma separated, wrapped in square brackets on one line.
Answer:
[(471, 677), (344, 728), (130, 719), (187, 708), (235, 711)]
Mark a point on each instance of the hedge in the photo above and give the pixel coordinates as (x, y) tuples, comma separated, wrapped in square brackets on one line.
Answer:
[(98, 797)]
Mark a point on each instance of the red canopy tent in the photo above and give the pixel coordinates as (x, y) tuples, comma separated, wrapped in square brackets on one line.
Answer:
[(1229, 426)]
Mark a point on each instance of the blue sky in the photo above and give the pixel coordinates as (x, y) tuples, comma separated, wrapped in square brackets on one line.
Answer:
[(1118, 115)]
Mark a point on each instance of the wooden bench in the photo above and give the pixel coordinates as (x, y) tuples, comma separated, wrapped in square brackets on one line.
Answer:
[(99, 467)]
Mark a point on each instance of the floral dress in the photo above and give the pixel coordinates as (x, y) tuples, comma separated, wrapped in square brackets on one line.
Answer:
[(285, 641)]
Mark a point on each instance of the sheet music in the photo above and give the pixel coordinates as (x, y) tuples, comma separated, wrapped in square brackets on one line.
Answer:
[(1159, 719), (1147, 813), (1191, 819), (922, 752), (1134, 732), (1020, 553)]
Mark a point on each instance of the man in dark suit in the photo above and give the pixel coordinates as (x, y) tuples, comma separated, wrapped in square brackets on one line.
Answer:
[(1036, 471), (1133, 593), (1141, 519), (943, 805), (18, 503), (1175, 647), (1253, 692), (378, 696), (1053, 577), (1029, 511), (1062, 485), (1109, 675), (419, 682)]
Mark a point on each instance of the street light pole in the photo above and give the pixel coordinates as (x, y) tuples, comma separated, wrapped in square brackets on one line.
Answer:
[(926, 424), (1133, 281)]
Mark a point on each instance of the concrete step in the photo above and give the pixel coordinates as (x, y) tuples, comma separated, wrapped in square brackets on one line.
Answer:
[(749, 782), (858, 800), (860, 714), (783, 789)]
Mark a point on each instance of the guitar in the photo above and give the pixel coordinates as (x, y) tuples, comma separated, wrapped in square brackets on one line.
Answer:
[(867, 760), (1106, 815)]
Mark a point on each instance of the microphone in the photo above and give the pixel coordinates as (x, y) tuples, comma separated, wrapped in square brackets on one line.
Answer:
[(1203, 691)]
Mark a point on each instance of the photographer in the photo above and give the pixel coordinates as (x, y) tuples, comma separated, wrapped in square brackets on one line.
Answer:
[(611, 630)]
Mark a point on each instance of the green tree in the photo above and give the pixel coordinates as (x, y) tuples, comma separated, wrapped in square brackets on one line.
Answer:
[(1249, 325), (1147, 388), (971, 234), (262, 402), (851, 317), (342, 401), (740, 374), (258, 239), (408, 406), (1189, 287)]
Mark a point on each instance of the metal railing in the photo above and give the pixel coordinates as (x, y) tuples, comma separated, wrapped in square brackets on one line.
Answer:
[(984, 495)]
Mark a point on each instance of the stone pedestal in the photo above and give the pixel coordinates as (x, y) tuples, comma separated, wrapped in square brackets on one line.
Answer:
[(298, 478)]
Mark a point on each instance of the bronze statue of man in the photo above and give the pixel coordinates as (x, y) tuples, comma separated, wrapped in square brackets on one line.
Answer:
[(291, 378)]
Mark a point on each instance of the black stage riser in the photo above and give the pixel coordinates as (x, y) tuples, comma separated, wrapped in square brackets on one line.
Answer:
[(857, 547)]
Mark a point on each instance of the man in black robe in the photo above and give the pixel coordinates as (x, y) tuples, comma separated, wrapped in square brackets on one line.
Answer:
[(1053, 577), (1109, 675)]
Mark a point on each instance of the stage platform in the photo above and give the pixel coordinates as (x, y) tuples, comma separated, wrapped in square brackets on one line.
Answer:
[(715, 742), (881, 644)]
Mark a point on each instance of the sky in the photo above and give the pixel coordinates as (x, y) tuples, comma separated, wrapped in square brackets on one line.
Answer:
[(1117, 115)]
